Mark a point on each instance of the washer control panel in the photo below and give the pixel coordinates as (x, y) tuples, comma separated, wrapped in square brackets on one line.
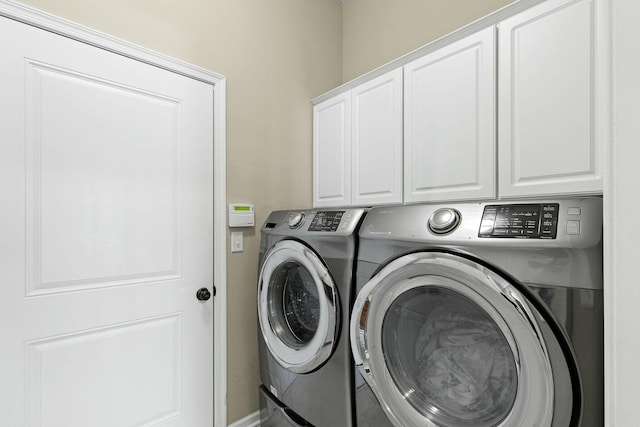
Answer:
[(524, 221), (326, 221)]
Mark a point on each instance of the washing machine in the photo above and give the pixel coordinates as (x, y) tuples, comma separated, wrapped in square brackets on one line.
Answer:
[(480, 314), (305, 293)]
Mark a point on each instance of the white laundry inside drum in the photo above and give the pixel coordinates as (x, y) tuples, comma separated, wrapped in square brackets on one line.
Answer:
[(449, 358)]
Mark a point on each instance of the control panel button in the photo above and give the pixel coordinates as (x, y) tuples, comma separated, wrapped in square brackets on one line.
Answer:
[(573, 227), (574, 211), (545, 232)]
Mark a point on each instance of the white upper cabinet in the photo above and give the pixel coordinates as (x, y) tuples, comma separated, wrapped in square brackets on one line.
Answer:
[(552, 108), (376, 174), (332, 152), (517, 111), (357, 145), (449, 130)]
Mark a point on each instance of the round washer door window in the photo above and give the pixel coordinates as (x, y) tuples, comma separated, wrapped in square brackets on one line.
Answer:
[(297, 307), (444, 341), (449, 358)]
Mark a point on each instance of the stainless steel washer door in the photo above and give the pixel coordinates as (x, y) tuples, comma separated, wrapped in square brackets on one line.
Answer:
[(297, 307), (444, 341)]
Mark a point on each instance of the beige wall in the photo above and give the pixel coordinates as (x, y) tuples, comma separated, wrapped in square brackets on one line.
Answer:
[(276, 56), (378, 31)]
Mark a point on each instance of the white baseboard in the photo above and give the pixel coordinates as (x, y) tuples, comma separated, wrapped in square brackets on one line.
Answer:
[(251, 420)]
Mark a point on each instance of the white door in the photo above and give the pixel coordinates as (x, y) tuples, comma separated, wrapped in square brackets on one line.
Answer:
[(105, 237), (376, 175), (449, 130)]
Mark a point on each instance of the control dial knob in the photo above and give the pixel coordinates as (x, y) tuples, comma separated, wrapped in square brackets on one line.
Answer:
[(444, 221), (296, 220)]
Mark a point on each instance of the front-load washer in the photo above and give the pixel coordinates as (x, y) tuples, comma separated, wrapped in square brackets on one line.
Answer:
[(305, 293), (480, 314)]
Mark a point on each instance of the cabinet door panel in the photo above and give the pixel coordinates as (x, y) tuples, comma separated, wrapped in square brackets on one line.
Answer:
[(377, 141), (332, 152), (549, 83), (450, 122)]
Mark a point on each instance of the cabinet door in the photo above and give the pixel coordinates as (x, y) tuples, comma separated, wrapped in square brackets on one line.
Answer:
[(552, 118), (332, 152), (376, 176), (449, 128)]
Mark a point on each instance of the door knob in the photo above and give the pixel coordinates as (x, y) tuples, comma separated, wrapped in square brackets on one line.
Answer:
[(203, 294)]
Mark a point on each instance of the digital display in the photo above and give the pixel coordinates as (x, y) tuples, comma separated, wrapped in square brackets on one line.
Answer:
[(326, 221), (525, 221)]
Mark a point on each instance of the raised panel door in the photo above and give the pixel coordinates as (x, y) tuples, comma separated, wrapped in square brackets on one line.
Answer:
[(552, 112), (106, 178), (332, 152), (376, 175), (449, 122)]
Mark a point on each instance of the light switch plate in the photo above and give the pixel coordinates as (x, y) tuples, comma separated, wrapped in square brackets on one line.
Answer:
[(237, 244)]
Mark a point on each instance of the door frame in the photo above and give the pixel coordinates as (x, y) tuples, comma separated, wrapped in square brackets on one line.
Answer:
[(37, 18)]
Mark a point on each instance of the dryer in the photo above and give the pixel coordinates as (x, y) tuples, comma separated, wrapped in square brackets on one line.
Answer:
[(305, 293), (480, 314)]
